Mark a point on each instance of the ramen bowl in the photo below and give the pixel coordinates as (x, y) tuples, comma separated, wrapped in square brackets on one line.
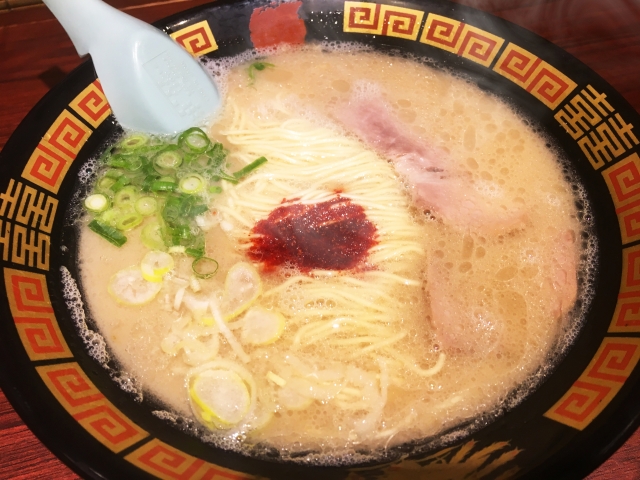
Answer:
[(570, 422)]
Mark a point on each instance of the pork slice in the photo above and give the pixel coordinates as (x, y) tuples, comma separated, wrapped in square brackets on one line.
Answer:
[(434, 183)]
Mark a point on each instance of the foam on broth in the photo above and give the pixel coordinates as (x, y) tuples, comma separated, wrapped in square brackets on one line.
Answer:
[(502, 277)]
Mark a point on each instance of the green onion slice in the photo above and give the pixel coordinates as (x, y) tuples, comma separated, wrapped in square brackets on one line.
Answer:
[(194, 140), (113, 173), (111, 216), (162, 186), (122, 182), (128, 220), (108, 233), (195, 252), (105, 184), (134, 163), (146, 205), (222, 175), (204, 267), (96, 203), (217, 153), (257, 67), (134, 141), (192, 183), (152, 237), (126, 196), (169, 159), (249, 168), (198, 161)]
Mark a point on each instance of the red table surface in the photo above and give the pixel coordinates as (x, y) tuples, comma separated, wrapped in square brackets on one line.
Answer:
[(35, 54)]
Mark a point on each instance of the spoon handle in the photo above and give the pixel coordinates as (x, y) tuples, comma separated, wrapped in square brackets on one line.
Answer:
[(152, 83), (85, 20)]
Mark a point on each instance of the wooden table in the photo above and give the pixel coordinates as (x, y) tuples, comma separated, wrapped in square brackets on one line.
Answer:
[(35, 54)]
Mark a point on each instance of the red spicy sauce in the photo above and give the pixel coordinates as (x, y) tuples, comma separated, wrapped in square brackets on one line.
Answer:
[(331, 235), (276, 24)]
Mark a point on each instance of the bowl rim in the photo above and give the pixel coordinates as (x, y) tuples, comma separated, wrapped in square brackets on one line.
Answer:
[(627, 421)]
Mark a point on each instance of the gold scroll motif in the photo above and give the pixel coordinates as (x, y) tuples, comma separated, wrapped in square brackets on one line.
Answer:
[(33, 315), (197, 39), (623, 181), (462, 39), (25, 239), (469, 461), (626, 317), (169, 463), (540, 79), (546, 83), (599, 383), (91, 105), (89, 407), (52, 158), (379, 19), (602, 134)]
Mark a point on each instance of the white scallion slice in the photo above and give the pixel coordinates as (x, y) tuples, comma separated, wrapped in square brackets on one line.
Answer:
[(146, 205), (227, 333), (129, 287), (241, 288), (277, 379), (155, 265), (96, 203), (194, 284), (220, 398), (261, 327)]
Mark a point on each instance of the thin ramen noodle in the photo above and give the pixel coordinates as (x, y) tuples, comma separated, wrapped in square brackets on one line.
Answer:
[(373, 288)]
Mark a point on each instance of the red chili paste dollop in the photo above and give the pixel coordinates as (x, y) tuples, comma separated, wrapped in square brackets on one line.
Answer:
[(332, 235)]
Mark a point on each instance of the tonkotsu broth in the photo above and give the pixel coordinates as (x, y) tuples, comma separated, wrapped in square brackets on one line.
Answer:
[(500, 278)]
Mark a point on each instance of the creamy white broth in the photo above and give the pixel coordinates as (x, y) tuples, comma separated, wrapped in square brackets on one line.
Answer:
[(501, 281)]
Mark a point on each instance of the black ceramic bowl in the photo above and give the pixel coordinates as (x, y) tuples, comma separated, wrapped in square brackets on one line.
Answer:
[(573, 420)]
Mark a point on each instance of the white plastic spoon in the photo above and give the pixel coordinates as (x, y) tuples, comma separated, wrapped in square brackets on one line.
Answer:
[(152, 84)]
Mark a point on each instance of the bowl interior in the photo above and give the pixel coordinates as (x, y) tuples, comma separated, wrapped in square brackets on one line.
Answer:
[(578, 412)]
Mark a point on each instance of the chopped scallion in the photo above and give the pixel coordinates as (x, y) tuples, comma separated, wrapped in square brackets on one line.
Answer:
[(134, 141), (96, 203), (167, 184), (191, 184), (105, 184), (151, 236), (169, 159), (162, 186), (204, 267), (113, 173), (257, 67), (194, 140), (249, 168), (129, 220), (119, 184), (108, 233), (111, 216), (146, 205), (126, 196)]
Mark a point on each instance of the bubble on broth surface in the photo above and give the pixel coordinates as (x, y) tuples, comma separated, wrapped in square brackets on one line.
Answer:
[(93, 341)]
